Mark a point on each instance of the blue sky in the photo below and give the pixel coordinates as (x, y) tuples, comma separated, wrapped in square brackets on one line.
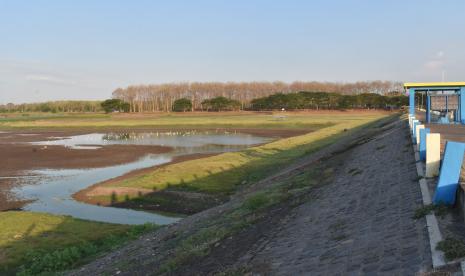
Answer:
[(85, 49)]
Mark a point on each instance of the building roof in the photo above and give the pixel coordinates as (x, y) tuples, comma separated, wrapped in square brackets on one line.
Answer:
[(433, 84)]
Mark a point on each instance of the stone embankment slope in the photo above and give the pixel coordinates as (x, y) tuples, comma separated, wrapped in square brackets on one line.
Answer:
[(360, 224)]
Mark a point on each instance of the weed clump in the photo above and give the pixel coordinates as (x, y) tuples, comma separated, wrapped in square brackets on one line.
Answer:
[(256, 202), (439, 210), (452, 248), (380, 147), (355, 171)]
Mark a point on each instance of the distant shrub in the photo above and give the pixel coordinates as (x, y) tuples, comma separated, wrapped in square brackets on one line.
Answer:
[(221, 104), (182, 105), (113, 105)]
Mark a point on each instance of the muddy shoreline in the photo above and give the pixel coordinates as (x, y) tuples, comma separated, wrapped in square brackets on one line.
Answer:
[(19, 157), (80, 196), (88, 195), (35, 134)]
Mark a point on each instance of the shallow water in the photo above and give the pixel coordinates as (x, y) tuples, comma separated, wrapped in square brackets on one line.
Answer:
[(52, 191), (186, 139)]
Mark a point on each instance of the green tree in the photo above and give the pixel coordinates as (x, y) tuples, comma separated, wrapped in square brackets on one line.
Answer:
[(182, 105), (322, 100), (125, 107), (112, 105), (221, 104)]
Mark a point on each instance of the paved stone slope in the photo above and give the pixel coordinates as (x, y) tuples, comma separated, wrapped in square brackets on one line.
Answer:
[(361, 224)]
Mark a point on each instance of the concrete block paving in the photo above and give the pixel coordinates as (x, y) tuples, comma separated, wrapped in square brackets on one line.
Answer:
[(360, 224)]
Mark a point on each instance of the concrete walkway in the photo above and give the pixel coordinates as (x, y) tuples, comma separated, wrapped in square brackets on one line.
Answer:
[(360, 224)]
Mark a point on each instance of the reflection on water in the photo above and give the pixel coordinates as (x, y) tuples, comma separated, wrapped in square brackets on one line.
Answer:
[(53, 191), (172, 139)]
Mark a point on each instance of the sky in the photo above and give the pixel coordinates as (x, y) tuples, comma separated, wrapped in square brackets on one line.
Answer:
[(64, 49)]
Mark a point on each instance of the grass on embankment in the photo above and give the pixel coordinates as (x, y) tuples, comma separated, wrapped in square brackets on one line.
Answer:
[(260, 209), (222, 174), (251, 120), (33, 243)]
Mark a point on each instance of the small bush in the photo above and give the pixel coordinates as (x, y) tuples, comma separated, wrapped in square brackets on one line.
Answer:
[(221, 104), (112, 105), (40, 262), (439, 210), (256, 202), (182, 105), (452, 248)]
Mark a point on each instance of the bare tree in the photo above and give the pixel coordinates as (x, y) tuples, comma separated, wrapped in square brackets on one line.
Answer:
[(160, 97)]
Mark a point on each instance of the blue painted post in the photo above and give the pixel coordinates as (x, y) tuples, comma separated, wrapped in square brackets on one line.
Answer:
[(450, 173), (411, 101), (428, 107), (462, 105), (414, 133), (422, 147)]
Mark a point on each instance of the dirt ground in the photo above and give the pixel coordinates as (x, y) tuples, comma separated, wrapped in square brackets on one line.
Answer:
[(19, 156)]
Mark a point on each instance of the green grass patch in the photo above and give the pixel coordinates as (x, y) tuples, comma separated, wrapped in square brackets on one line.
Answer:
[(33, 243), (439, 210), (257, 201), (262, 200), (182, 121), (452, 248), (253, 208), (222, 174), (195, 246), (13, 118)]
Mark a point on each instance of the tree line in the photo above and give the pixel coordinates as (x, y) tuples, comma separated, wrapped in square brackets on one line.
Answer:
[(214, 104), (300, 101), (161, 97), (216, 96), (290, 101), (54, 106), (322, 100)]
